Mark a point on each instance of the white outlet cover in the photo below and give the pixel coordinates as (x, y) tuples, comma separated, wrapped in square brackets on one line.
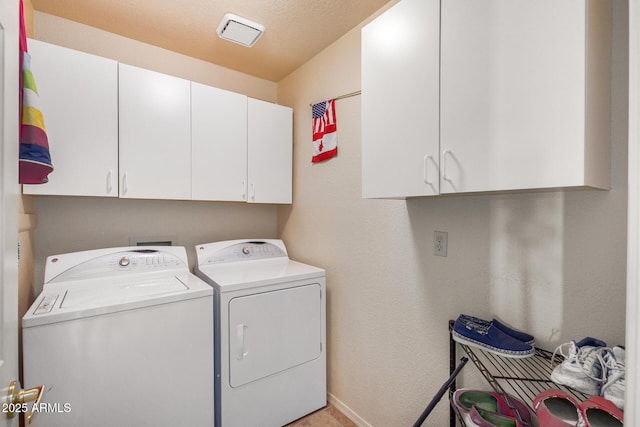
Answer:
[(440, 243)]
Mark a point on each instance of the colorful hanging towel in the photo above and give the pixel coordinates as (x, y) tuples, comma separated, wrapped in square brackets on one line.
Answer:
[(34, 158), (325, 137)]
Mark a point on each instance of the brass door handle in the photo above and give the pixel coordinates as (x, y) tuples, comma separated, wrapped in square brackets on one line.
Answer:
[(17, 399)]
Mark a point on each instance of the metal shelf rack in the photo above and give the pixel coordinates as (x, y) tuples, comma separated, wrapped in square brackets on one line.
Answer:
[(523, 378)]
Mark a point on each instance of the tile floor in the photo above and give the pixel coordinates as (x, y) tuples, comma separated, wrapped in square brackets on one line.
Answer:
[(325, 417)]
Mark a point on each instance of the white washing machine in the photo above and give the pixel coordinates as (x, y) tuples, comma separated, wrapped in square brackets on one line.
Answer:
[(270, 358), (121, 337)]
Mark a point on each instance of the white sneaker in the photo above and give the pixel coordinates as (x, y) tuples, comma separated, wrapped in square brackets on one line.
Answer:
[(582, 366), (613, 388)]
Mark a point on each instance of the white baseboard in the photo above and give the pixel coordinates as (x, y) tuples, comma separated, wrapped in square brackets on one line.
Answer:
[(348, 412)]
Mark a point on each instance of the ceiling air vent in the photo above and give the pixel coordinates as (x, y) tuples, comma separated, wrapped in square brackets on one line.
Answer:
[(239, 30)]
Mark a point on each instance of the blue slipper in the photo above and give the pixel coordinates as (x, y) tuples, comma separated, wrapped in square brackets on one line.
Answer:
[(488, 337), (519, 335)]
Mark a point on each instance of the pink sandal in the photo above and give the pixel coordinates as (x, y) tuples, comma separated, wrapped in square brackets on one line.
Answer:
[(555, 408), (600, 412)]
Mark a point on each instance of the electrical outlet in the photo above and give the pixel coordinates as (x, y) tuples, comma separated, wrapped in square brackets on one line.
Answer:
[(440, 242)]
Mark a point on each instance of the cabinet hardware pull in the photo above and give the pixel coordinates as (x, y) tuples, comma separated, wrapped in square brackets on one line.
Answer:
[(109, 183), (124, 183), (424, 170), (244, 190), (444, 165), (253, 191)]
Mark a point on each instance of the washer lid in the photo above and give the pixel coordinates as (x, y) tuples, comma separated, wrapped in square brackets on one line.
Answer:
[(78, 299)]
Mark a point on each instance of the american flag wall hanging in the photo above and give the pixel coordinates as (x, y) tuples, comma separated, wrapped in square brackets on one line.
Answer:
[(325, 137)]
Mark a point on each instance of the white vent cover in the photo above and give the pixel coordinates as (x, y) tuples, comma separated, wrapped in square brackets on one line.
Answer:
[(239, 30)]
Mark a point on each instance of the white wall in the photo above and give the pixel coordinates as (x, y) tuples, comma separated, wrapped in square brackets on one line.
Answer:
[(68, 224), (81, 37), (552, 263)]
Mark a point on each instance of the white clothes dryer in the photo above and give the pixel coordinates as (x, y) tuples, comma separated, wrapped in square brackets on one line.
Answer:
[(270, 358), (121, 337)]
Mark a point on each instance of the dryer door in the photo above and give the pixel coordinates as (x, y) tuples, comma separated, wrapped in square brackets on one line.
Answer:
[(273, 331)]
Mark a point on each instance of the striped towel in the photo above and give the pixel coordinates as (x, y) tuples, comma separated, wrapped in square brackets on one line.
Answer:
[(34, 158)]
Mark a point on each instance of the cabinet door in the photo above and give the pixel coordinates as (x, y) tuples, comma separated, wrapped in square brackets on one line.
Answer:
[(270, 151), (155, 135), (218, 144), (78, 97), (513, 94), (400, 101)]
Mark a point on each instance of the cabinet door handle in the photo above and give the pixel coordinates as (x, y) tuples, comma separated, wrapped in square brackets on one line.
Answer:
[(124, 183), (253, 191), (109, 182), (244, 190), (444, 165), (425, 177)]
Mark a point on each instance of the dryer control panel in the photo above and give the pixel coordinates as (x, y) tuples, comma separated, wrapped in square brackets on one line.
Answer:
[(245, 251)]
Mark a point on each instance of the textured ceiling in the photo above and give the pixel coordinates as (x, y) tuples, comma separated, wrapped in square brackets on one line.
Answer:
[(296, 30)]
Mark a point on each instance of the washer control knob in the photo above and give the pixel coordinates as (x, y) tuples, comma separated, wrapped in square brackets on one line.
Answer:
[(124, 261), (246, 250)]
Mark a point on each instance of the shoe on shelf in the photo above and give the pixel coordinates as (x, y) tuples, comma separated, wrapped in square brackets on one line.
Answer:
[(488, 337), (519, 335), (600, 412), (478, 417), (556, 408), (613, 388), (582, 368), (490, 401)]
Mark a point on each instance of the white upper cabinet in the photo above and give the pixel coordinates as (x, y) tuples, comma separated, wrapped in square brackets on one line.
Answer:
[(78, 97), (523, 99), (122, 131), (270, 152), (525, 94), (218, 144), (155, 135), (400, 101)]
